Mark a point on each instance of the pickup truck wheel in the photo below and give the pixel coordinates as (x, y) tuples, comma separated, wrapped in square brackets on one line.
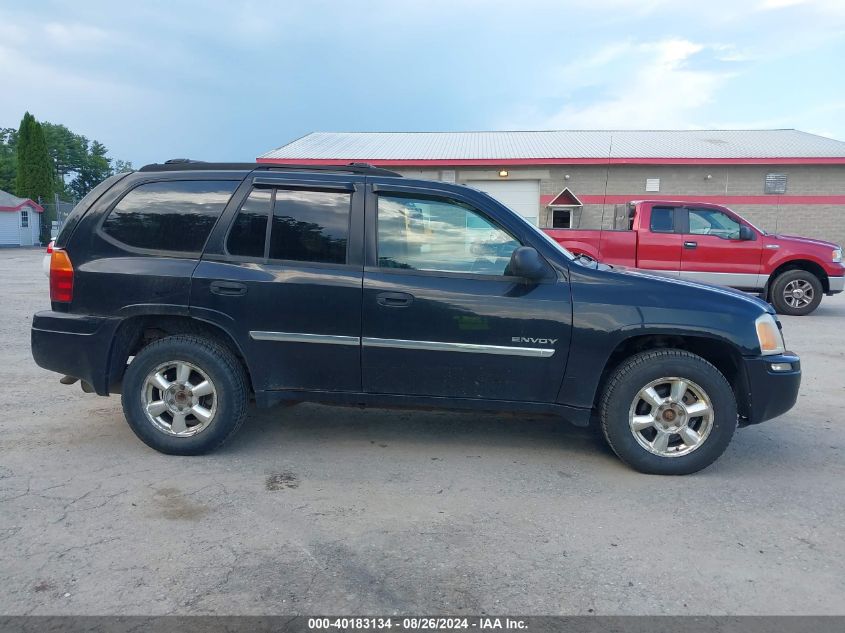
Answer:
[(668, 412), (184, 395), (796, 292)]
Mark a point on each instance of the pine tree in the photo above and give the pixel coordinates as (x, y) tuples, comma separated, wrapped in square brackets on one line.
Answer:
[(35, 174), (96, 168), (35, 168)]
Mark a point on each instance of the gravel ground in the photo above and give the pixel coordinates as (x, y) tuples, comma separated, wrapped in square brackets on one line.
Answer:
[(315, 509)]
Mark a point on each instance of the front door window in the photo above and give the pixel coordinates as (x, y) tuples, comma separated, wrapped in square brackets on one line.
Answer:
[(433, 234), (713, 222)]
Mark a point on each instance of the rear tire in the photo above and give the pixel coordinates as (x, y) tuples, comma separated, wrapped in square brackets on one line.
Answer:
[(796, 292), (667, 412), (184, 395)]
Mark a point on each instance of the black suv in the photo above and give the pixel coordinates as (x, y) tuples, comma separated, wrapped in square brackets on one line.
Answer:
[(192, 288)]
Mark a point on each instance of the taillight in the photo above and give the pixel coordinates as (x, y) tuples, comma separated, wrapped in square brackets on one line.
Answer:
[(50, 247), (61, 277)]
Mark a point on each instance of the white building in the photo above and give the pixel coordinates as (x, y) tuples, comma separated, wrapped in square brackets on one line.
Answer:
[(20, 221)]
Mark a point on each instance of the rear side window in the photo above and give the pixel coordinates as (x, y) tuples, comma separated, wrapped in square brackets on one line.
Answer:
[(82, 206), (175, 215), (663, 219), (310, 226)]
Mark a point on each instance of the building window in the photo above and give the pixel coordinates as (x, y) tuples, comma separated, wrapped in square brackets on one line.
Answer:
[(775, 183), (561, 219), (24, 218), (652, 184)]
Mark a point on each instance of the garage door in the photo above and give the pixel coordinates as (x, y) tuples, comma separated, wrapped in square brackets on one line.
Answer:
[(523, 196)]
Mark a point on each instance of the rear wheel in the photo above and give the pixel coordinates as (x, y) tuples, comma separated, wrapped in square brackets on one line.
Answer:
[(796, 292), (184, 395), (668, 412)]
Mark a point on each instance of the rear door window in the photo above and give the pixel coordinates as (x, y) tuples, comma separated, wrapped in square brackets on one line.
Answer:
[(304, 226), (248, 234), (310, 226), (171, 216)]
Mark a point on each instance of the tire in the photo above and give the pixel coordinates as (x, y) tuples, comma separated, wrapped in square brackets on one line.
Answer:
[(706, 390), (789, 292), (215, 388)]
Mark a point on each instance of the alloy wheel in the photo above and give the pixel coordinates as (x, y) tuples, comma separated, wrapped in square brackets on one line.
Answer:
[(798, 293), (671, 417), (179, 399)]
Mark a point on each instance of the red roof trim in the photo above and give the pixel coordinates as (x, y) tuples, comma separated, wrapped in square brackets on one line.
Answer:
[(505, 162), (565, 199), (717, 199), (30, 203)]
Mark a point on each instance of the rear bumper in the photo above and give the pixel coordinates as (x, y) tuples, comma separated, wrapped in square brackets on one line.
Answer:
[(74, 345), (770, 392), (837, 284)]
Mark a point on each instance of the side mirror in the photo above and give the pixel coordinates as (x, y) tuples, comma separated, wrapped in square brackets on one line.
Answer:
[(745, 233), (527, 263)]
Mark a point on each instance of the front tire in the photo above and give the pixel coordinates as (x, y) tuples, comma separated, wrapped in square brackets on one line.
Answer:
[(667, 412), (184, 395), (796, 292)]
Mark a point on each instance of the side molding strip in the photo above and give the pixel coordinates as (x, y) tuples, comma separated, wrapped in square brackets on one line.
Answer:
[(472, 348), (431, 346), (294, 337)]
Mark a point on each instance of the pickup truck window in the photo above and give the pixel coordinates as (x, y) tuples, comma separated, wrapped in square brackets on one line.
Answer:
[(435, 234), (663, 219), (713, 222), (175, 215)]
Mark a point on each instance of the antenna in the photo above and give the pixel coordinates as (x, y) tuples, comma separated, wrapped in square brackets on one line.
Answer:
[(604, 199)]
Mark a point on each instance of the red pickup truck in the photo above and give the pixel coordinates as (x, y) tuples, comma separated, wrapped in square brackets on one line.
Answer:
[(712, 244)]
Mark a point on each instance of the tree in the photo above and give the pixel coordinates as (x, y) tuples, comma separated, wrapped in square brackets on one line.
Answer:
[(34, 168), (68, 151), (76, 165), (8, 158), (35, 178), (121, 166), (95, 170)]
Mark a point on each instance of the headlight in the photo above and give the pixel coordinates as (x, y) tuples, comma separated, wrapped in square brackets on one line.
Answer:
[(769, 335), (837, 255)]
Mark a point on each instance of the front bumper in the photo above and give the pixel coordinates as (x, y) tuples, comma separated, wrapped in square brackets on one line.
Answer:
[(770, 393), (837, 284), (74, 345)]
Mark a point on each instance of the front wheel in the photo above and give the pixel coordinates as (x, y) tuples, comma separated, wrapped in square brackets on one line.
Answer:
[(668, 412), (796, 292), (184, 395)]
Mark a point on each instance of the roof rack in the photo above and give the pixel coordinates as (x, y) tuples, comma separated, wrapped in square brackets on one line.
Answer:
[(187, 164)]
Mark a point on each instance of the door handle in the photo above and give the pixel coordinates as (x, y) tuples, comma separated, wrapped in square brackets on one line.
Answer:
[(228, 288), (394, 299), (690, 244)]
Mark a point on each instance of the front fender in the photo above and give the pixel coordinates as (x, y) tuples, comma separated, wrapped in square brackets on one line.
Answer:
[(612, 307)]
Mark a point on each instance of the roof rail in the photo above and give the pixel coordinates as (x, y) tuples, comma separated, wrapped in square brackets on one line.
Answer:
[(187, 164)]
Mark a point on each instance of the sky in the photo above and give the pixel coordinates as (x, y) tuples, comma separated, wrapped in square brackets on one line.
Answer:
[(227, 80)]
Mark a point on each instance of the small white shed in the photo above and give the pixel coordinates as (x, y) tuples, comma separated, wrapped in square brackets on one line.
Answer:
[(20, 220)]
